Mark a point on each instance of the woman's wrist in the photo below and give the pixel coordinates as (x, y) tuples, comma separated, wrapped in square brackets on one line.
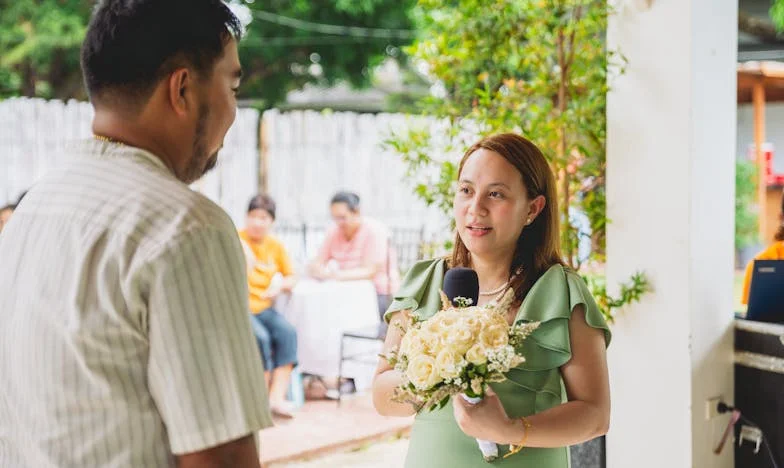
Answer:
[(514, 430)]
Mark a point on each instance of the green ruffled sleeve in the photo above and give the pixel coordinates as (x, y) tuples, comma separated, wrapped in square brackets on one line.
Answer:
[(419, 291), (551, 302)]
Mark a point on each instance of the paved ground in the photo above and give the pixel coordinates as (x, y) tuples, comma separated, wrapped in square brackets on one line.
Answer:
[(384, 454), (321, 428)]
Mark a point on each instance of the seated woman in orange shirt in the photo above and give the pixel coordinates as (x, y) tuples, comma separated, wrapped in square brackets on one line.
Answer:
[(774, 252), (269, 274)]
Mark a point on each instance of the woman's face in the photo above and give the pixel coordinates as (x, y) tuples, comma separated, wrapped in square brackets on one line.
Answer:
[(491, 206), (346, 220), (258, 224)]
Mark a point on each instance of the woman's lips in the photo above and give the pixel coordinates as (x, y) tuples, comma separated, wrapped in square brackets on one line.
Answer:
[(478, 231)]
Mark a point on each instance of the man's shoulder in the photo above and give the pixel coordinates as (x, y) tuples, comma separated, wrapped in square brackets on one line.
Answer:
[(193, 214), (158, 209)]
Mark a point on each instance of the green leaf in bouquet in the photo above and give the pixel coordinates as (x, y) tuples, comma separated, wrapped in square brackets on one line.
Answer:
[(443, 402), (481, 369)]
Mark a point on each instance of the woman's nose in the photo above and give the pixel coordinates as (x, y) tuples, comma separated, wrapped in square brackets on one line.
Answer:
[(476, 206)]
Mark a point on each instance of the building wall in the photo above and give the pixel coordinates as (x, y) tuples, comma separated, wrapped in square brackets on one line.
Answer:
[(670, 179)]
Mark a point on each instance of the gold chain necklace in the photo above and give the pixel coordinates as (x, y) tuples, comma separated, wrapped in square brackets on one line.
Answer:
[(106, 139)]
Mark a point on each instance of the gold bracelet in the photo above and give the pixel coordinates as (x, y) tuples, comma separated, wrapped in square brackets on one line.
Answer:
[(516, 448)]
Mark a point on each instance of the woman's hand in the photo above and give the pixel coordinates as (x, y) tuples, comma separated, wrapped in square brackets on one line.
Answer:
[(271, 293), (320, 272), (486, 420)]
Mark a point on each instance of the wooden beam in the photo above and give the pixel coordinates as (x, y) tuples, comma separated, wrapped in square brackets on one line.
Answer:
[(758, 99)]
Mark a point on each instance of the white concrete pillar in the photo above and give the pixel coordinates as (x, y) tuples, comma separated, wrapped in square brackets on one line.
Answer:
[(670, 181)]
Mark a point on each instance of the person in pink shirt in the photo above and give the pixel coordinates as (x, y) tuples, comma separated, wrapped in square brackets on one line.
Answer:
[(357, 248)]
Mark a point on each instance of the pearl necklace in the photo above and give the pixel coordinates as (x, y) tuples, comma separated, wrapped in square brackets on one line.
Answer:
[(495, 291)]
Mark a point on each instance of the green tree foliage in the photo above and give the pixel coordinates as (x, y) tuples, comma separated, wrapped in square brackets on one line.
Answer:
[(39, 47), (281, 55), (40, 40), (539, 67), (746, 228), (777, 14)]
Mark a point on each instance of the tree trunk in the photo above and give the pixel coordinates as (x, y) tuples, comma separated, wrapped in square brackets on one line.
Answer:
[(561, 156), (28, 79)]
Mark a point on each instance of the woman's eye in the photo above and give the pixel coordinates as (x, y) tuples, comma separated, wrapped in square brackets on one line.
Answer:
[(496, 195)]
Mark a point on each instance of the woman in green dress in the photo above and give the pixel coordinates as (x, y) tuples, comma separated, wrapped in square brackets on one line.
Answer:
[(506, 215)]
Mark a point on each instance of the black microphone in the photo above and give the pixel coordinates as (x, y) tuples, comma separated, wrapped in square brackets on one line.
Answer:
[(461, 282)]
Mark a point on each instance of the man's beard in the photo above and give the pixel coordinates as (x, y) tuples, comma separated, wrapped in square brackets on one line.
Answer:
[(201, 162)]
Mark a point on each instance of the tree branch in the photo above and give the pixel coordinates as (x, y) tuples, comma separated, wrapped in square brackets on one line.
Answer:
[(577, 15), (758, 27)]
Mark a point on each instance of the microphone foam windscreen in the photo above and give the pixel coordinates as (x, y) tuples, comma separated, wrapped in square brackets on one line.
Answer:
[(461, 282)]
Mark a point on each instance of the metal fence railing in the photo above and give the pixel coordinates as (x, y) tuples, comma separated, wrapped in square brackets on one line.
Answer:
[(303, 241)]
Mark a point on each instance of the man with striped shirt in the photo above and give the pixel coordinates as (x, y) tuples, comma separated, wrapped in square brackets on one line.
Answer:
[(124, 334)]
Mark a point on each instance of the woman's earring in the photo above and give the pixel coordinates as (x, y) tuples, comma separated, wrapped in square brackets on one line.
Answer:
[(528, 221)]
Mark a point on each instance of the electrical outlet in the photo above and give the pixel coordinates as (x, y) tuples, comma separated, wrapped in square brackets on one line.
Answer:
[(711, 407)]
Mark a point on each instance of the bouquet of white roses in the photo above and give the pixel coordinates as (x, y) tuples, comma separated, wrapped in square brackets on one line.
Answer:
[(459, 350)]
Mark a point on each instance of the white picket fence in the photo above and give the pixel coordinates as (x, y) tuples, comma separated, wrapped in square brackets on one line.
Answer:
[(34, 133), (309, 156)]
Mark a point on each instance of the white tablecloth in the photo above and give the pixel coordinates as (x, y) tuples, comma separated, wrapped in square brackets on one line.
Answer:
[(321, 312)]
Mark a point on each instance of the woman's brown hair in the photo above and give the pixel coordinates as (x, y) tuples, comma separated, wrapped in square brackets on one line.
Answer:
[(780, 232), (538, 247)]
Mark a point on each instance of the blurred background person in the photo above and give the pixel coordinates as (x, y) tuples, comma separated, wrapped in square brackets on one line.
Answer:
[(775, 251), (270, 274), (357, 248)]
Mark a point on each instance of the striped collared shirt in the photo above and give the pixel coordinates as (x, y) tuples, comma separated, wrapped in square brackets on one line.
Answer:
[(124, 330)]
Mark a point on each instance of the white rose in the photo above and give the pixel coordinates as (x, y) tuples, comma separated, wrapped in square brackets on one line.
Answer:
[(473, 323), (476, 355), (448, 318), (412, 343), (431, 342), (422, 372), (460, 339), (449, 364), (494, 336)]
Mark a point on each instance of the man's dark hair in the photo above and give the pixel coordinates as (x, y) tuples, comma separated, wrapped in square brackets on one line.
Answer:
[(351, 200), (262, 202), (131, 45)]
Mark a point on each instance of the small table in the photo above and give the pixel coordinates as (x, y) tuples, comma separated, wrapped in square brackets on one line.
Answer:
[(321, 311)]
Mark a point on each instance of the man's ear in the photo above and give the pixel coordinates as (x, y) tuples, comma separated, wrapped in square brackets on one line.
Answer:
[(181, 89)]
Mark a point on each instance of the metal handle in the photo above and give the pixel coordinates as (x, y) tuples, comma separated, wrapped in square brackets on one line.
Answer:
[(752, 434)]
